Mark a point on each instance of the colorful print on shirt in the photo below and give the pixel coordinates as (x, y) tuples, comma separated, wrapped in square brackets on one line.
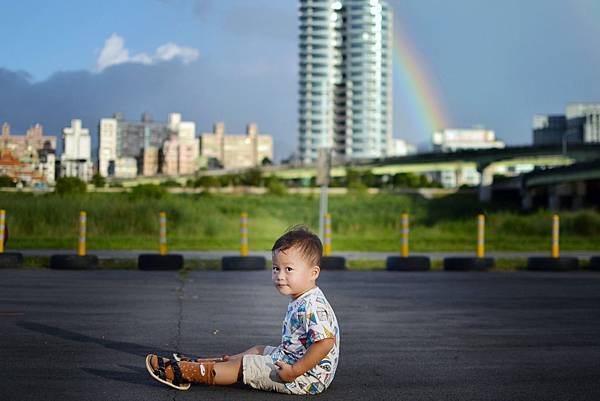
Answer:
[(309, 318)]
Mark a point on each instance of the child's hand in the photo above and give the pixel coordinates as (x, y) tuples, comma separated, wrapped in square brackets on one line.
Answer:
[(286, 371)]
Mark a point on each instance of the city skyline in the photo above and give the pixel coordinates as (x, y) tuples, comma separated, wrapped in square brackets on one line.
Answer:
[(469, 63)]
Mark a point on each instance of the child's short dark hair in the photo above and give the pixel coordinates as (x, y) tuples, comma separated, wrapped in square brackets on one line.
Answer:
[(304, 240)]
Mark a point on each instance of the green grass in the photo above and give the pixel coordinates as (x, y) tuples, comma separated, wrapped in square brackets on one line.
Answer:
[(361, 222)]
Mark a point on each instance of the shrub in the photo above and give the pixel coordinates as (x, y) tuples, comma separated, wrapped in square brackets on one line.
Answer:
[(6, 181), (145, 191), (584, 222), (353, 178), (70, 185), (207, 181), (170, 184), (252, 177), (98, 181), (276, 187)]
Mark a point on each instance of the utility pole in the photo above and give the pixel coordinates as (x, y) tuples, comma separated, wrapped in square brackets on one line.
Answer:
[(323, 169), (564, 142)]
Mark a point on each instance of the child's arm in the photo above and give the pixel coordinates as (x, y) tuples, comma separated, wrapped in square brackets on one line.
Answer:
[(316, 352)]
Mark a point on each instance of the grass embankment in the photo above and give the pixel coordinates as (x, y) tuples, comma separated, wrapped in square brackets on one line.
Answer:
[(361, 222)]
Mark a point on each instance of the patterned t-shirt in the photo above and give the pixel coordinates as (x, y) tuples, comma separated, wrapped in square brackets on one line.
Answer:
[(309, 318)]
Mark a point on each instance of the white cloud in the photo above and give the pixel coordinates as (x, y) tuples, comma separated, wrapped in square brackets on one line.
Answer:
[(114, 52), (170, 51)]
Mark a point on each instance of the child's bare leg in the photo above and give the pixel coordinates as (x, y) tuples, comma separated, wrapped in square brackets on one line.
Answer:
[(256, 350), (230, 371), (223, 373)]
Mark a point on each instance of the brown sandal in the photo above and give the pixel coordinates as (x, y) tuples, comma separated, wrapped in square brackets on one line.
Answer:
[(160, 373)]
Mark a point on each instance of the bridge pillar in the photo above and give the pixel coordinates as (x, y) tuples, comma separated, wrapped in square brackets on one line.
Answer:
[(579, 195), (485, 184), (526, 199), (553, 198), (558, 192)]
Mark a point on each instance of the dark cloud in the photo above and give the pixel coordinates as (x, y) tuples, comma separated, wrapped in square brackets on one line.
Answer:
[(259, 20), (263, 92), (202, 7)]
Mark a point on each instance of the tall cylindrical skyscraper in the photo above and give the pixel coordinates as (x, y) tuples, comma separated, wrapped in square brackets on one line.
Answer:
[(345, 82)]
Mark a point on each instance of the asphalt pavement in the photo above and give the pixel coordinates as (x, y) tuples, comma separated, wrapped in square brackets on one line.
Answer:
[(83, 335)]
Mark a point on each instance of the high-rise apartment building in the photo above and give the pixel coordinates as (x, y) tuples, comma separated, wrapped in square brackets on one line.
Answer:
[(147, 147), (583, 121), (580, 124), (28, 158), (236, 151), (25, 147), (76, 159), (345, 82)]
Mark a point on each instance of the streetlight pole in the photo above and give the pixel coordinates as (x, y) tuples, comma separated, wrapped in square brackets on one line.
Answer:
[(323, 168), (564, 142)]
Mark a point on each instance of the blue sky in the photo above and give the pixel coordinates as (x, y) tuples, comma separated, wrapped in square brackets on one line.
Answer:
[(494, 63)]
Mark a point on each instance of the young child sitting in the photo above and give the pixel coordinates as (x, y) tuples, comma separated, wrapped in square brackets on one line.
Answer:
[(305, 361)]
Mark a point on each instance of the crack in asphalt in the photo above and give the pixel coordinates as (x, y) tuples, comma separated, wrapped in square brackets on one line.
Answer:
[(180, 291)]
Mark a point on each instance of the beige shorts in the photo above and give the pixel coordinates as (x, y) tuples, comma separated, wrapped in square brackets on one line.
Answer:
[(261, 373)]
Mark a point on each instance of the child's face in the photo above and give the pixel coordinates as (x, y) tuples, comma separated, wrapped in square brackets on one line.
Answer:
[(292, 274)]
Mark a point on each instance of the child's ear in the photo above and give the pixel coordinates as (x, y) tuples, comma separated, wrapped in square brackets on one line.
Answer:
[(316, 270)]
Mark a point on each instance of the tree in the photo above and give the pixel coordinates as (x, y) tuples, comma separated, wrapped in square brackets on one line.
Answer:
[(151, 191), (266, 162), (170, 184), (252, 177), (6, 181), (207, 181), (70, 185), (275, 186), (98, 181)]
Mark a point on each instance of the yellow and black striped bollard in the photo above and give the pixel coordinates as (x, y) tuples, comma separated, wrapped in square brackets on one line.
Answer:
[(555, 262), (480, 236), (81, 244), (555, 236), (404, 233), (162, 241), (244, 261), (327, 235), (244, 250), (2, 227)]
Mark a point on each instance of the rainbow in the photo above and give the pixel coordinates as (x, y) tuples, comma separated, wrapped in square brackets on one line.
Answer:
[(416, 89)]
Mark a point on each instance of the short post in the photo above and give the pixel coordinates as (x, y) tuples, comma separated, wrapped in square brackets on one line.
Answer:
[(480, 236), (327, 235), (162, 241), (404, 236), (555, 236), (404, 262), (244, 261), (2, 226), (469, 263), (329, 262), (81, 245), (244, 234), (555, 262), (162, 260), (81, 260)]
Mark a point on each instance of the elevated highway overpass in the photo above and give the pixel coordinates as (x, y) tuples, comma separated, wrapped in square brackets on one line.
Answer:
[(487, 162)]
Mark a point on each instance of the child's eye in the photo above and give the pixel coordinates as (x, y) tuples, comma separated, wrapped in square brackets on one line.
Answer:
[(289, 269), (275, 268)]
